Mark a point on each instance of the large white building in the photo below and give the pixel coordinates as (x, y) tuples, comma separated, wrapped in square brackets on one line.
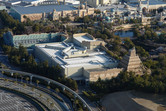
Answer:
[(78, 57), (96, 3), (83, 57)]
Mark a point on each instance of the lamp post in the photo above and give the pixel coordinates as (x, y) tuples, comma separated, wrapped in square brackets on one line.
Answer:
[(21, 78), (1, 95)]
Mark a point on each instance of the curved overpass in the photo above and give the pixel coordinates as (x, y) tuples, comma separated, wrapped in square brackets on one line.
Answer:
[(48, 80)]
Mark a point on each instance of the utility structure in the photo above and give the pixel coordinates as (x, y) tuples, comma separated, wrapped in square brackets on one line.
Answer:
[(64, 2), (148, 5), (140, 7), (58, 2), (145, 6)]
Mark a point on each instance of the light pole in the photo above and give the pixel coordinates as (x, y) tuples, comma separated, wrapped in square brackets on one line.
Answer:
[(21, 78), (17, 105), (1, 95), (16, 74)]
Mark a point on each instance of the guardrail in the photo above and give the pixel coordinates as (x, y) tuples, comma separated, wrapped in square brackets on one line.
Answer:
[(49, 81)]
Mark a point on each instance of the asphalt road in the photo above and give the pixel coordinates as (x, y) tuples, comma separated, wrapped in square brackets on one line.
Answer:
[(91, 104)]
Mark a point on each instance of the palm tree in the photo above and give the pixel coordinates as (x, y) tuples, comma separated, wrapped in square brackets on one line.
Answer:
[(6, 80), (57, 90), (21, 78), (15, 82), (37, 82), (16, 74), (49, 87), (75, 103), (27, 79), (48, 101), (52, 105), (2, 74), (40, 95), (33, 89), (24, 85)]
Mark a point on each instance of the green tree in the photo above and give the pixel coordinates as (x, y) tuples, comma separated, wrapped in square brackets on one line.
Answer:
[(37, 82), (86, 19), (36, 27), (27, 79), (57, 90), (128, 43)]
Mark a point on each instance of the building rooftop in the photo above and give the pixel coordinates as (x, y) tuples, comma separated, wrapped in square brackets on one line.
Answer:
[(34, 36), (13, 1), (2, 7), (83, 38), (102, 8), (31, 0), (91, 59), (154, 2), (42, 9), (151, 2)]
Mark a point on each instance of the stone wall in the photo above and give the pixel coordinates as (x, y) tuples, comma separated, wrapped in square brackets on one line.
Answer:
[(106, 74), (73, 71), (32, 17), (89, 44), (73, 13), (93, 3), (92, 44)]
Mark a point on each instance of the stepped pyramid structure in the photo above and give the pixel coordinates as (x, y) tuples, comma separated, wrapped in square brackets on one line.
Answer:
[(132, 62)]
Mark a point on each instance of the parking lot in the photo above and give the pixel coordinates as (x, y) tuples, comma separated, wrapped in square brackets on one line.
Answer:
[(12, 102)]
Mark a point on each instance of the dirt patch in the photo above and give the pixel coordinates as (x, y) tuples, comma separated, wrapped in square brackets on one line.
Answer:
[(154, 102), (133, 101)]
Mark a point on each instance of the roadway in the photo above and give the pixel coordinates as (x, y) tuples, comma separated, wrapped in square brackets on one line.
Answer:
[(66, 105), (49, 81), (91, 104), (12, 102), (34, 93)]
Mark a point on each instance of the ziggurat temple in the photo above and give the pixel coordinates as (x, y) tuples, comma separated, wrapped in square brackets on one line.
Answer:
[(132, 62)]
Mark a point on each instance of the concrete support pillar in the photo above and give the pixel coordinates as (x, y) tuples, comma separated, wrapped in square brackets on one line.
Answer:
[(75, 96), (31, 79), (2, 72), (21, 78), (86, 82), (84, 106), (48, 82), (63, 88), (11, 73)]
